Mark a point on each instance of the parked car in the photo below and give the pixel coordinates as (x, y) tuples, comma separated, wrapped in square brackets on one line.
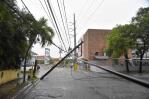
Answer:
[(28, 68)]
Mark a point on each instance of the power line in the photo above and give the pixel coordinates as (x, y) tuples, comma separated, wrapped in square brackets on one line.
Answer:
[(49, 16), (59, 47), (55, 22), (52, 23), (32, 15), (55, 18), (83, 6), (25, 6), (93, 12), (66, 19), (45, 11), (34, 19), (63, 22), (87, 10), (96, 8)]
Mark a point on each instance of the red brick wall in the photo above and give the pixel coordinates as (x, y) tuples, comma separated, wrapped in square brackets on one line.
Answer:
[(94, 41)]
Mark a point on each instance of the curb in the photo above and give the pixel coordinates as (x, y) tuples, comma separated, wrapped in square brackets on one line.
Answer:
[(122, 75), (27, 88)]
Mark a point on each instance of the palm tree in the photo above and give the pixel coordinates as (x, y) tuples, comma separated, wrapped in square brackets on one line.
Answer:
[(37, 31), (18, 32)]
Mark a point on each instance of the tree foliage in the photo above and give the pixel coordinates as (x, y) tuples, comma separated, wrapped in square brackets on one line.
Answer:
[(12, 41), (131, 36), (119, 42), (141, 33), (18, 32)]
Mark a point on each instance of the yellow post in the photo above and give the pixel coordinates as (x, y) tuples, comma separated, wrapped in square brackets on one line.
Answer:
[(75, 67), (67, 65), (88, 67)]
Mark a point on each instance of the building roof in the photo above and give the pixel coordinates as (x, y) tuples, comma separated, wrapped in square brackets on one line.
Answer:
[(33, 53), (98, 30), (40, 57)]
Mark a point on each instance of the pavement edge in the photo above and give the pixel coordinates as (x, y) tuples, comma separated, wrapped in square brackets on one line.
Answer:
[(25, 89)]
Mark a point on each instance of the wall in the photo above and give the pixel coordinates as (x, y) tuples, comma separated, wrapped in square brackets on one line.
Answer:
[(85, 46), (94, 41), (8, 75)]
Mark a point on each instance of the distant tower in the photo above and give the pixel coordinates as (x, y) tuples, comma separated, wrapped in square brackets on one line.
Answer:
[(47, 56)]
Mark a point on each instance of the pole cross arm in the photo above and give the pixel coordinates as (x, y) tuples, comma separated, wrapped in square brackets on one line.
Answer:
[(53, 67)]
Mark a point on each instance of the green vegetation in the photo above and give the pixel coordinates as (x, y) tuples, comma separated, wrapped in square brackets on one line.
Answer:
[(130, 36), (141, 33), (18, 32), (12, 42), (119, 42)]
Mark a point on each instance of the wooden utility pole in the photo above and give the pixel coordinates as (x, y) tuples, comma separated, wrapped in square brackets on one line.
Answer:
[(74, 39)]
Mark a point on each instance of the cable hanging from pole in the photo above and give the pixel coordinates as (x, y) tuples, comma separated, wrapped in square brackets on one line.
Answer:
[(66, 21), (32, 16), (58, 33), (63, 23), (90, 15), (34, 19), (50, 18), (26, 7), (59, 47), (56, 23)]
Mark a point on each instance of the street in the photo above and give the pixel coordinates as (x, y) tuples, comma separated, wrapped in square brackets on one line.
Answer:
[(74, 49), (64, 83)]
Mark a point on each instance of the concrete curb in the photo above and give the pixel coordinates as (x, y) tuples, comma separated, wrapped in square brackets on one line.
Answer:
[(25, 89), (127, 77)]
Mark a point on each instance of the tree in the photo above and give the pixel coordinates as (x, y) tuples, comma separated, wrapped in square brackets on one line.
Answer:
[(141, 33), (119, 43), (18, 32), (12, 40), (37, 31)]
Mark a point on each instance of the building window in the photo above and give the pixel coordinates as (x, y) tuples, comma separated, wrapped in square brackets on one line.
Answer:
[(96, 53)]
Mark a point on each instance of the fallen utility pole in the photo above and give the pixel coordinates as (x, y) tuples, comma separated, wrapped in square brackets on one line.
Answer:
[(60, 61), (130, 78)]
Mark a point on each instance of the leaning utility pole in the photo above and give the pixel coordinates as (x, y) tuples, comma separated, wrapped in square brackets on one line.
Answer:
[(74, 39), (67, 55)]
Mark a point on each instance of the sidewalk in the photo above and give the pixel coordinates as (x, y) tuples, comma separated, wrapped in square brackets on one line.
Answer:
[(133, 70), (8, 89)]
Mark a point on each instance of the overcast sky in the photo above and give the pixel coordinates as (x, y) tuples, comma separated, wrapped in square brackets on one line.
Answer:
[(95, 14)]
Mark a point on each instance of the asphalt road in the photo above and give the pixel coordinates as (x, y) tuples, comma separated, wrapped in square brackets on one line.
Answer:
[(63, 83)]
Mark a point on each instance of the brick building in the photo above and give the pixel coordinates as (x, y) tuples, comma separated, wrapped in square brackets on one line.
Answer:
[(94, 44)]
